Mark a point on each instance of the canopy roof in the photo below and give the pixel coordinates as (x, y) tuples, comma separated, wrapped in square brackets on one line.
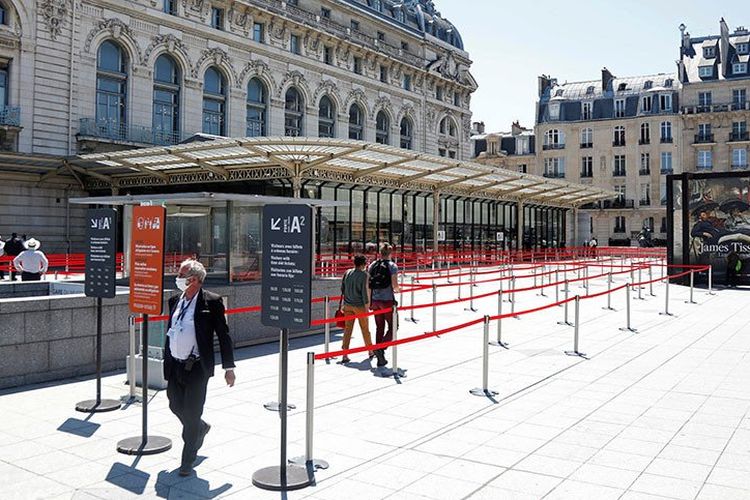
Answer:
[(336, 160)]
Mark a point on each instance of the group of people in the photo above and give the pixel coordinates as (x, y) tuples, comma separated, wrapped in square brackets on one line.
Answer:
[(26, 258), (370, 288)]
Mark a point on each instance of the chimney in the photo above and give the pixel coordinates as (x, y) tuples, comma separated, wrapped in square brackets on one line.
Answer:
[(724, 47), (607, 77), (478, 128), (544, 83), (516, 128)]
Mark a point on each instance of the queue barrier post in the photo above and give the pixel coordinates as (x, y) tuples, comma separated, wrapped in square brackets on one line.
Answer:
[(575, 351), (460, 272), (499, 342), (710, 280), (133, 347), (557, 288), (586, 278), (541, 292), (565, 306), (396, 372), (628, 328), (640, 288), (513, 296), (484, 391), (411, 312), (692, 281), (307, 459), (434, 307), (326, 305), (650, 281), (471, 292), (666, 299), (609, 293)]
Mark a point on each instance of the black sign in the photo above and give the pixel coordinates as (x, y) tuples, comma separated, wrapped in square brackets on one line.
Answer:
[(101, 253), (287, 266)]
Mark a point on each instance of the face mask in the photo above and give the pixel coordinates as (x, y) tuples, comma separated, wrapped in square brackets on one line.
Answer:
[(181, 283)]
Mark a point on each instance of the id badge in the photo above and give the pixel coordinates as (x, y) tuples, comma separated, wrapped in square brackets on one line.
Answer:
[(174, 331)]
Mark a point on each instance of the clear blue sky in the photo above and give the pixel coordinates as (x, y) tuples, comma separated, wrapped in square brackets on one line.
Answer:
[(513, 42)]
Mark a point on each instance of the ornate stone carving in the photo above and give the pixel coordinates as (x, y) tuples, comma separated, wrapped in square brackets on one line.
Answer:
[(279, 33), (382, 103), (119, 31), (295, 78), (358, 96), (466, 126), (327, 87), (407, 110), (199, 8), (171, 43), (239, 18), (218, 57), (256, 68), (53, 13), (343, 54), (313, 44)]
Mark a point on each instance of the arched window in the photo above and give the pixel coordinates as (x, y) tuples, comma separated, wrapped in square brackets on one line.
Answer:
[(3, 15), (214, 102), (356, 118), (407, 132), (326, 118), (618, 138), (256, 108), (382, 128), (111, 90), (294, 113), (554, 139), (448, 127), (166, 119), (645, 133)]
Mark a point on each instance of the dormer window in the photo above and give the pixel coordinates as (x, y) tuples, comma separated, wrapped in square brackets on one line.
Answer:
[(709, 52), (559, 93), (705, 71), (739, 68), (743, 48), (554, 111), (668, 82), (590, 90), (622, 87), (648, 85)]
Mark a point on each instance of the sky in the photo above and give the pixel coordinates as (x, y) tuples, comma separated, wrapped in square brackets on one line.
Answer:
[(511, 43)]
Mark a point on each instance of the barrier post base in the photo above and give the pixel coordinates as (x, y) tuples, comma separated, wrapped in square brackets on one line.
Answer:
[(609, 308), (568, 323), (313, 464), (412, 320), (690, 302), (276, 406), (628, 329), (94, 406), (472, 309), (495, 343), (483, 393), (576, 353), (271, 478), (137, 446), (666, 314)]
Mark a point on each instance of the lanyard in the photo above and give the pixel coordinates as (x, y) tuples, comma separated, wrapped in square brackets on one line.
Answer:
[(184, 308)]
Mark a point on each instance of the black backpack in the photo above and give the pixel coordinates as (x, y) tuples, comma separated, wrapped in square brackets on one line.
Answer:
[(380, 275)]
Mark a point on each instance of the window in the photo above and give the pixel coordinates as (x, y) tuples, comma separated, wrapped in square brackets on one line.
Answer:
[(457, 99), (382, 128), (589, 90), (663, 195), (666, 132), (620, 190), (356, 118), (645, 196), (645, 134), (622, 87), (3, 85), (294, 46), (705, 160), (258, 32), (620, 108), (111, 87), (354, 25), (257, 102), (620, 224), (404, 46), (619, 166), (170, 7), (586, 110), (743, 48), (383, 73), (663, 226), (704, 99), (648, 222), (554, 167), (668, 82), (217, 18), (704, 133), (328, 55), (587, 138), (326, 118), (619, 136), (709, 52), (325, 13), (739, 68), (666, 163), (587, 166), (554, 139), (739, 131), (665, 103), (705, 71), (648, 84), (522, 168), (554, 111), (645, 164), (739, 158), (381, 36), (166, 108), (407, 131), (358, 65), (646, 104), (441, 152), (439, 92), (448, 127), (294, 113), (407, 82), (214, 102), (739, 98)]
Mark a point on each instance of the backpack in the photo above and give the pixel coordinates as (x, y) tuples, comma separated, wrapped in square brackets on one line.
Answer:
[(380, 275)]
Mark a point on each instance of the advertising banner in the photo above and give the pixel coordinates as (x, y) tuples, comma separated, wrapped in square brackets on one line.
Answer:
[(147, 259)]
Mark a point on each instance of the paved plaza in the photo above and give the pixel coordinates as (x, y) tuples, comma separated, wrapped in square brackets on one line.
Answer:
[(661, 413)]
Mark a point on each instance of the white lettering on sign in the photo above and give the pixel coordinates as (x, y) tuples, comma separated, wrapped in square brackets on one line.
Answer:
[(148, 223), (101, 223), (288, 224)]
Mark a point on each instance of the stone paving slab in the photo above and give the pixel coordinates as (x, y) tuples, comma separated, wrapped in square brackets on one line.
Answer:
[(662, 413)]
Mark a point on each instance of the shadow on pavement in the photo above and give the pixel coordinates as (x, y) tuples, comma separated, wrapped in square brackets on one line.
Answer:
[(169, 481), (79, 427), (128, 478)]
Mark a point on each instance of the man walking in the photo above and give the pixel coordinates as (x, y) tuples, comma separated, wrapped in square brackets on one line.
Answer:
[(195, 316), (384, 286), (13, 247), (31, 262)]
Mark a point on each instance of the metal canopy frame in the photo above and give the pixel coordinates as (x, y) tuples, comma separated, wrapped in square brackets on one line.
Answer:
[(336, 160)]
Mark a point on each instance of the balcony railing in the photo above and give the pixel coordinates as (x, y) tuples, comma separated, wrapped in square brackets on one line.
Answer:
[(643, 141), (546, 147), (587, 145), (10, 116), (618, 143), (704, 138), (716, 108), (618, 173), (739, 166), (644, 202), (644, 171), (704, 168), (554, 175), (667, 140), (90, 127), (586, 174), (615, 204), (666, 171), (739, 136)]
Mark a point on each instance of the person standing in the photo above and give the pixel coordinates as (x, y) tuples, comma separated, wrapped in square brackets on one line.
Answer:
[(194, 317), (384, 286), (31, 262), (13, 247), (355, 298), (593, 244), (2, 253)]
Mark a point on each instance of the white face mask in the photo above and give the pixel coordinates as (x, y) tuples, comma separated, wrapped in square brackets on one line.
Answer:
[(181, 283)]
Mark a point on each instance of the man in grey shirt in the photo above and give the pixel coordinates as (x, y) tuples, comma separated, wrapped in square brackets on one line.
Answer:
[(384, 286), (355, 298)]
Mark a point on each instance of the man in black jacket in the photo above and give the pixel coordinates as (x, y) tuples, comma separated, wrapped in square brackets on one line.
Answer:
[(13, 247), (195, 316)]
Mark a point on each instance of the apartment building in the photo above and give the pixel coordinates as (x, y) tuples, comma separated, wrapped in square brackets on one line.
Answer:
[(514, 150)]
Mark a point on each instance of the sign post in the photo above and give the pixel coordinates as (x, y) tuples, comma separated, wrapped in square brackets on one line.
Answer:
[(146, 290), (101, 251), (285, 299)]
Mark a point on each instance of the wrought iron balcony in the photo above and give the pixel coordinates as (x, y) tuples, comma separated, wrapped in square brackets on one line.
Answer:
[(554, 175), (667, 140), (587, 145), (619, 172), (704, 138), (616, 204), (644, 171), (704, 168), (618, 143), (716, 108), (10, 116), (644, 202), (643, 141), (666, 171), (739, 136), (90, 127), (739, 166), (546, 147)]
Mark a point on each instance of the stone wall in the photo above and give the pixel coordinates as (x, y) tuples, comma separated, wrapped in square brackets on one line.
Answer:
[(53, 337)]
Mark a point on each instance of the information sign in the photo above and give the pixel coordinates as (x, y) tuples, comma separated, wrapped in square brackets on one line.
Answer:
[(147, 259), (101, 252)]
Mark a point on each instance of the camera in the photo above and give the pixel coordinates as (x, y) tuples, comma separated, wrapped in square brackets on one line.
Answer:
[(190, 362)]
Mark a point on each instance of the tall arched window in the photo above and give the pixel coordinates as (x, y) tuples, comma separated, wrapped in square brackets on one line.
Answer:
[(256, 108), (3, 15), (326, 118), (294, 113), (356, 118), (645, 134), (111, 90), (214, 102), (407, 132), (448, 127), (382, 128), (166, 119)]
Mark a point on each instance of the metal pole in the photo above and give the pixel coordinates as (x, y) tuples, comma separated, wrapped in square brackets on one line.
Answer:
[(394, 322), (411, 311), (609, 293), (283, 349), (692, 280), (666, 299), (575, 351), (471, 292), (567, 292), (434, 308), (513, 296), (500, 342), (326, 303), (640, 288), (307, 459), (710, 280), (484, 391), (650, 281), (586, 278), (557, 287), (131, 360), (627, 309), (460, 271)]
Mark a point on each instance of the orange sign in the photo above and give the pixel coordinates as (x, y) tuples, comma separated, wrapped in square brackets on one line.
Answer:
[(147, 259)]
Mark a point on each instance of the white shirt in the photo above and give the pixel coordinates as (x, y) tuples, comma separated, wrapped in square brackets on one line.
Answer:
[(31, 261), (182, 333)]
